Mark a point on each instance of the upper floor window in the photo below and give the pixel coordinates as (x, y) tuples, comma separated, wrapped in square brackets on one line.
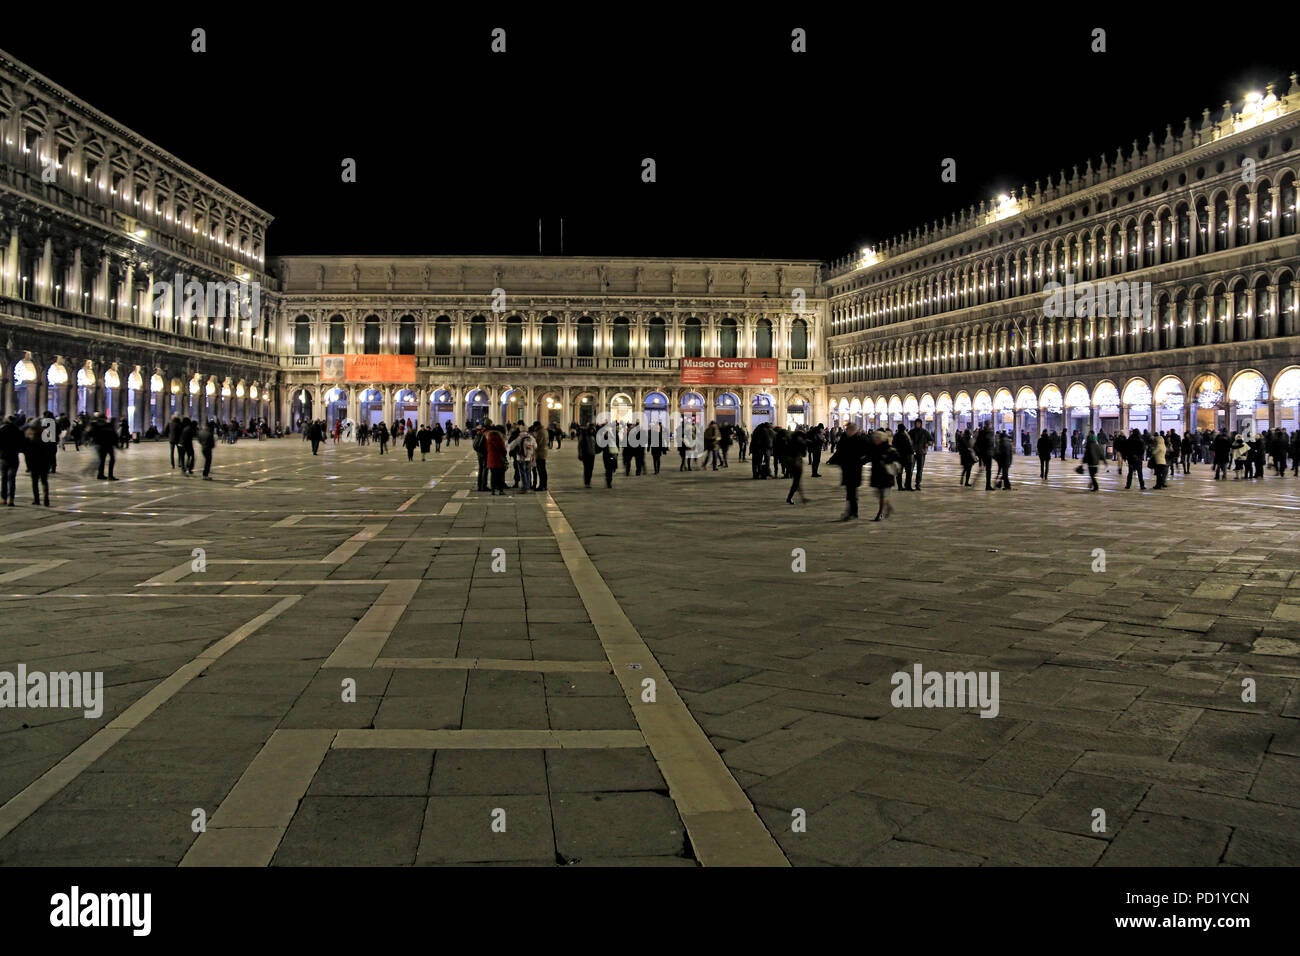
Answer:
[(442, 335), (406, 335), (550, 336), (302, 335), (692, 338), (586, 337), (658, 338), (763, 339), (621, 344), (371, 341), (338, 335), (514, 335), (727, 339), (478, 336), (798, 339)]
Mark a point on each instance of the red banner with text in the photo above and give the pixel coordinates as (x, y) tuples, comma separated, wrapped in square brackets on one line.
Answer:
[(728, 371), (368, 369)]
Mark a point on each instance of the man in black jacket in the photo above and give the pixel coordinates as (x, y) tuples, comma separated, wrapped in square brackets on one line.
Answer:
[(1135, 448), (984, 452), (104, 438), (921, 442), (850, 454), (11, 445), (186, 445), (1044, 453), (903, 446)]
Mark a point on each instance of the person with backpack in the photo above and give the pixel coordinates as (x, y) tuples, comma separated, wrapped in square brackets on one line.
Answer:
[(524, 447)]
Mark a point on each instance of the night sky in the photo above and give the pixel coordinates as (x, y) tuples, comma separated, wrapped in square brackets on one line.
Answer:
[(760, 152)]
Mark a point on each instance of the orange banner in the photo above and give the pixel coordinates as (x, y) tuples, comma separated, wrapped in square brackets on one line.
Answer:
[(368, 369)]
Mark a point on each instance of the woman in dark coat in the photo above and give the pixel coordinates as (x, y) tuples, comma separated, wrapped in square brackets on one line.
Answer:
[(410, 440), (885, 467), (495, 442), (966, 451), (425, 436), (38, 463)]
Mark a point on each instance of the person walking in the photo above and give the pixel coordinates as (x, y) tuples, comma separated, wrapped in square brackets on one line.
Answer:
[(656, 438), (795, 450), (1002, 453), (886, 467), (207, 436), (1093, 455), (437, 434), (425, 437), (742, 443), (711, 437), (1045, 454), (104, 439), (11, 446), (409, 440), (966, 454), (383, 435), (850, 455)]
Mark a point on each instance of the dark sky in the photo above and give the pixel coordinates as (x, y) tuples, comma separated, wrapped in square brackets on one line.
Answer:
[(760, 152)]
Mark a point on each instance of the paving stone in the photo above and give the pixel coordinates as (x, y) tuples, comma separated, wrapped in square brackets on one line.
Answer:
[(352, 831), (616, 824)]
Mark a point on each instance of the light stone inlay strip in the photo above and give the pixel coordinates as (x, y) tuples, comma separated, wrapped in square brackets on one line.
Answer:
[(723, 826), (488, 739), (363, 644), (33, 797), (494, 664), (247, 827)]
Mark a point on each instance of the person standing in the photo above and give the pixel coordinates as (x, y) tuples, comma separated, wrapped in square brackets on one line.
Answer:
[(1045, 454), (921, 442), (711, 437), (1222, 451), (437, 434), (409, 441), (173, 437), (608, 441), (903, 447), (48, 434), (850, 454), (760, 444), (494, 443), (425, 437), (742, 443), (524, 447), (1134, 449), (540, 453), (1159, 462), (37, 451), (586, 439), (11, 445), (984, 452)]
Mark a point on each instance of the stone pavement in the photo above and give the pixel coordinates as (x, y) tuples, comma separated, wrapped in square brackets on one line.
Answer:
[(359, 660)]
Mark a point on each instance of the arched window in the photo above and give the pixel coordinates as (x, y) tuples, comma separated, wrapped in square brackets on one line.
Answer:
[(337, 335), (763, 339), (442, 335), (1243, 216), (1263, 210), (478, 335), (406, 335), (798, 339), (514, 335), (692, 338), (586, 337), (302, 335), (658, 338), (550, 336), (621, 338), (727, 339), (371, 341), (1287, 207)]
